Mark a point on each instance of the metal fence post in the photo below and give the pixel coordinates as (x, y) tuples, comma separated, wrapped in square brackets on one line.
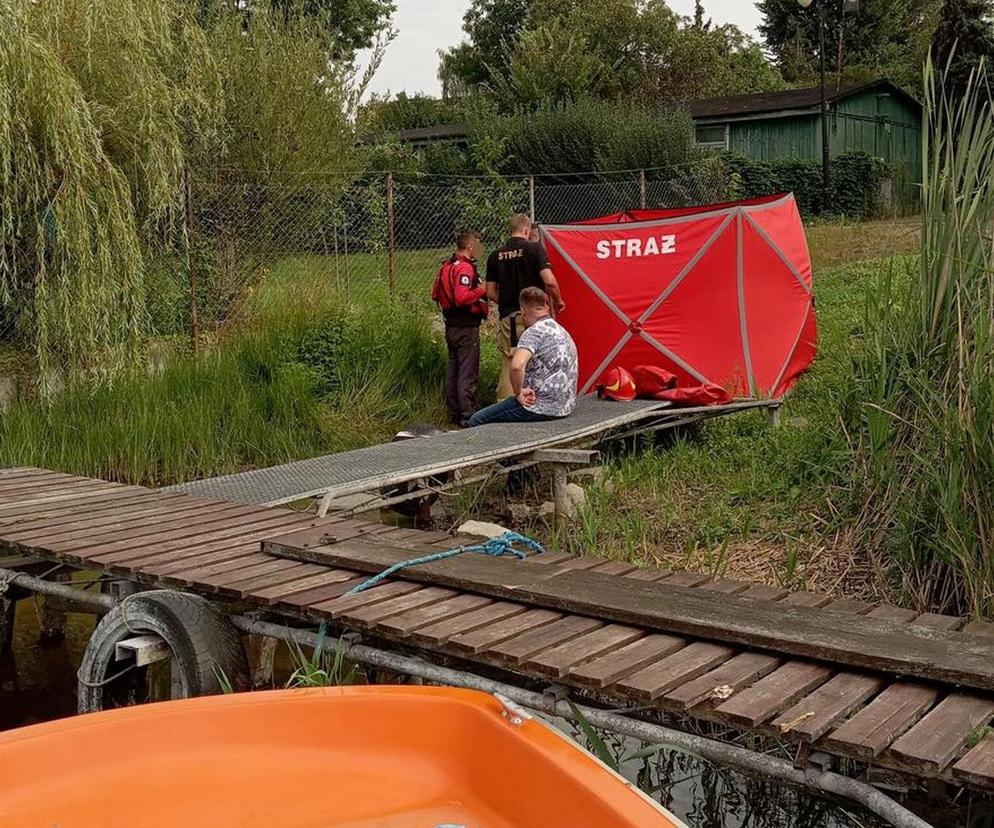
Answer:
[(391, 240), (191, 261), (531, 197), (642, 198)]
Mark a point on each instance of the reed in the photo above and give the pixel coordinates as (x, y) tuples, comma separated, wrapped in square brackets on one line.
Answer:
[(926, 375)]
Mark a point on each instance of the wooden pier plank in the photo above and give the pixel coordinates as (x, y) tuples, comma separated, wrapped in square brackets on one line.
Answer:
[(938, 738), (853, 640), (610, 667), (772, 693), (867, 733), (440, 632), (738, 672), (818, 712), (522, 647), (682, 666), (558, 660), (407, 622), (977, 765), (478, 640)]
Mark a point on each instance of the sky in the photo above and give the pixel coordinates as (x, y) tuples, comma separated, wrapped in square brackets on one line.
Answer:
[(425, 26)]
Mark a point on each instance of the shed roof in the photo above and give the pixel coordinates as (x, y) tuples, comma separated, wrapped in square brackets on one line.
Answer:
[(760, 102)]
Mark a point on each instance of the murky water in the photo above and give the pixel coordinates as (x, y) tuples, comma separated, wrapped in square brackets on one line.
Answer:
[(38, 683)]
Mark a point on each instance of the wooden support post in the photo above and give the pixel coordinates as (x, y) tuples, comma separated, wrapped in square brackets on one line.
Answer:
[(191, 261), (774, 415), (53, 616), (261, 653), (391, 237), (531, 197), (7, 608), (560, 492), (642, 193)]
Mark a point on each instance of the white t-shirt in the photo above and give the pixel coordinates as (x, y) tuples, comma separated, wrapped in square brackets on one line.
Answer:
[(552, 371)]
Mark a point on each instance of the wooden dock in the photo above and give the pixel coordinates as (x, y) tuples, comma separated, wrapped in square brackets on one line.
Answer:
[(877, 684)]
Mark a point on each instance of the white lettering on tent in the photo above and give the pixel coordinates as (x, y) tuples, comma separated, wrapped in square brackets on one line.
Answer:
[(635, 248)]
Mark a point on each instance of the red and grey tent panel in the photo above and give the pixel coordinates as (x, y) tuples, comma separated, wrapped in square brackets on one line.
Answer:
[(717, 294)]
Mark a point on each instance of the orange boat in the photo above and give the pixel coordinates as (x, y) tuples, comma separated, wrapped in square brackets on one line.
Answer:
[(390, 757)]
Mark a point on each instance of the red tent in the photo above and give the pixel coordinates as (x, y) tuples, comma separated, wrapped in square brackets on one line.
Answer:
[(720, 293)]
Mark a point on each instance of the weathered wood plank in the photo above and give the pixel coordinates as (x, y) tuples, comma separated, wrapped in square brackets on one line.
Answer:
[(610, 667), (773, 693), (815, 714), (407, 622), (686, 579), (649, 574), (762, 592), (736, 673), (615, 568), (812, 600), (522, 647), (869, 731), (888, 612), (377, 613), (351, 602), (977, 766), (858, 641), (558, 660), (475, 641), (938, 738), (684, 665), (277, 592), (725, 586), (303, 601), (440, 632)]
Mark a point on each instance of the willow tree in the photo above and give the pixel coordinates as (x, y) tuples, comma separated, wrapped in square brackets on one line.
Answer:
[(96, 98)]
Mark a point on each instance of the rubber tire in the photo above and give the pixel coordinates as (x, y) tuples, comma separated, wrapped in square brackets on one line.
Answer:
[(204, 643)]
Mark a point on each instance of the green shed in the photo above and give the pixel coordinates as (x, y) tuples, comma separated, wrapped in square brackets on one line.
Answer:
[(877, 117)]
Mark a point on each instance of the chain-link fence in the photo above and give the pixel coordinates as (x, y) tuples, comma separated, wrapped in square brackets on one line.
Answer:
[(380, 236), (244, 238)]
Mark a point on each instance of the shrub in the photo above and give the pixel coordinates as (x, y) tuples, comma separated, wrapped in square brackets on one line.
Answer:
[(854, 182)]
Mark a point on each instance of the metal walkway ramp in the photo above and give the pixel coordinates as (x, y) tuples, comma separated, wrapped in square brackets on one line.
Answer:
[(369, 468)]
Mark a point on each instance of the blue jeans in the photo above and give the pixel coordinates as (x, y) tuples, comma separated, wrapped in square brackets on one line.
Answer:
[(506, 411)]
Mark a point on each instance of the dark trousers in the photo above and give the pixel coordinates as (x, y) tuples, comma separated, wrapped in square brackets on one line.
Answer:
[(463, 344)]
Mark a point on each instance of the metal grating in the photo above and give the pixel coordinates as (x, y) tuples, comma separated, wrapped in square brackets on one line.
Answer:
[(368, 468)]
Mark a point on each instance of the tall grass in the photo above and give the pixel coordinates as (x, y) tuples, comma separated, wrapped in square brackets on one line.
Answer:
[(926, 378), (307, 373)]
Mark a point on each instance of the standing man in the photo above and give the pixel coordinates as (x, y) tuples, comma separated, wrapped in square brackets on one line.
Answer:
[(463, 301), (519, 264), (543, 370)]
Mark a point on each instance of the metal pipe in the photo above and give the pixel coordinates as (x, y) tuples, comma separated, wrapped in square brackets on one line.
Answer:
[(710, 749), (93, 601)]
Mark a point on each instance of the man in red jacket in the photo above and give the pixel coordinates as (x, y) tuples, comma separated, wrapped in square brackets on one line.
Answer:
[(463, 300)]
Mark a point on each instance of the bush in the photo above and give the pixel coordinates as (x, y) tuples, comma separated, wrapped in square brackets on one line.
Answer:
[(854, 182), (586, 136)]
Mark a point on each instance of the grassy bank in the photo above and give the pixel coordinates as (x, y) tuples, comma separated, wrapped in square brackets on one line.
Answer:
[(307, 372), (740, 498)]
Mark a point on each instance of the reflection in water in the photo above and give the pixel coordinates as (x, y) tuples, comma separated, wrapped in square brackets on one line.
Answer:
[(38, 683)]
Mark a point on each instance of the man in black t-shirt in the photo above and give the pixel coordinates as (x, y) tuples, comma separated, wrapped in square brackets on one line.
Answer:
[(519, 264)]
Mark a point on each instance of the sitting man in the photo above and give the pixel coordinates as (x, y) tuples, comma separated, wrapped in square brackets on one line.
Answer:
[(543, 368)]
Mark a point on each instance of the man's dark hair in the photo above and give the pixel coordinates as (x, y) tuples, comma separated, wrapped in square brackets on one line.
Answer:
[(466, 237), (533, 297)]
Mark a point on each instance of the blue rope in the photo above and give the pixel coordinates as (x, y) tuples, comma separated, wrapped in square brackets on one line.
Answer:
[(503, 545)]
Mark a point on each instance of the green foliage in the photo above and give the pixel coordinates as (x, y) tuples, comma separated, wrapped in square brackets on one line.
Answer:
[(926, 379), (854, 182), (309, 374), (885, 38), (350, 24), (547, 65), (385, 117), (963, 38), (97, 100), (547, 51), (107, 107), (587, 136), (322, 669)]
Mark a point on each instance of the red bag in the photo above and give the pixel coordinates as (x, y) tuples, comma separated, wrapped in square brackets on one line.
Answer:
[(651, 380), (707, 394)]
